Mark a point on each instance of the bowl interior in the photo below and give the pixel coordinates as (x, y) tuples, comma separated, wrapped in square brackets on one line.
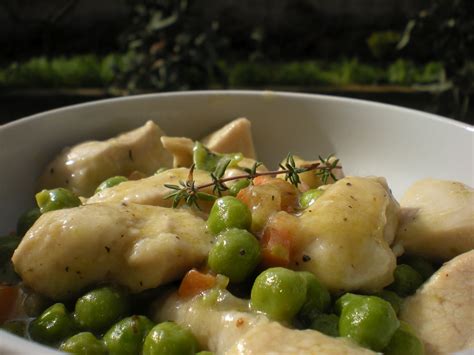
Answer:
[(371, 139)]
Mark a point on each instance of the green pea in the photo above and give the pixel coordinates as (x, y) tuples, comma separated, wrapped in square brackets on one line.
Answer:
[(309, 197), (235, 254), (100, 308), (344, 300), (423, 267), (83, 344), (326, 323), (228, 212), (407, 280), (53, 325), (56, 199), (113, 181), (239, 185), (404, 342), (318, 298), (391, 297), (204, 159), (279, 293), (370, 321), (17, 327), (26, 220), (170, 339), (127, 336)]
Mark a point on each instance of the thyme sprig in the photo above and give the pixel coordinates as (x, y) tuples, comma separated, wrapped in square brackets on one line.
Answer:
[(190, 193)]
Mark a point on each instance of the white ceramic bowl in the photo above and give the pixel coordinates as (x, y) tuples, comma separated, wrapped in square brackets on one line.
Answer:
[(370, 138)]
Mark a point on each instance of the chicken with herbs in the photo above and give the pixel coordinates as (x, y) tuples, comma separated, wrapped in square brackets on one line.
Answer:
[(136, 246), (437, 219), (171, 245), (83, 167)]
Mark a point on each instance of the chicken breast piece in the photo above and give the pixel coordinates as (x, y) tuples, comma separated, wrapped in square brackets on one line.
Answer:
[(437, 219), (224, 329), (442, 310), (344, 237), (152, 190), (139, 247), (234, 137), (181, 148), (83, 167)]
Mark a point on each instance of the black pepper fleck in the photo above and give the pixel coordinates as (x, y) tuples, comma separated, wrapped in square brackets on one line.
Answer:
[(130, 155), (51, 171), (348, 184), (107, 248), (273, 198), (345, 219), (66, 268), (349, 206), (306, 258), (242, 252)]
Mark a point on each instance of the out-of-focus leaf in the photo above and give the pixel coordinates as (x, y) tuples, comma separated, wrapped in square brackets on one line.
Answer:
[(158, 23), (406, 35)]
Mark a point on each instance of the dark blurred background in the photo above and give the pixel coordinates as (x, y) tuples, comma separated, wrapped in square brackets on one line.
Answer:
[(413, 53)]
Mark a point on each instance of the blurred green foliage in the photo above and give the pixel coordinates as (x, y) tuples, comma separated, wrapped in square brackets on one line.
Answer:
[(444, 32), (91, 71), (168, 47), (78, 71), (342, 72), (405, 72), (383, 44)]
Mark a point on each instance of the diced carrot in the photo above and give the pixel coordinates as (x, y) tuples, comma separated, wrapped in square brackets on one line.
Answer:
[(194, 282), (260, 180), (276, 247), (8, 299), (244, 195)]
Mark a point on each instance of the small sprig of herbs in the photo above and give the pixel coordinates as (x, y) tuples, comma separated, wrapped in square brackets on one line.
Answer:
[(188, 192)]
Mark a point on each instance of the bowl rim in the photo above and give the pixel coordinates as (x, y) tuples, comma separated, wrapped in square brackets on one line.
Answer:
[(263, 93)]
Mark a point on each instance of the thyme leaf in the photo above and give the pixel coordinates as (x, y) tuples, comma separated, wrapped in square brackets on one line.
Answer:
[(189, 193)]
